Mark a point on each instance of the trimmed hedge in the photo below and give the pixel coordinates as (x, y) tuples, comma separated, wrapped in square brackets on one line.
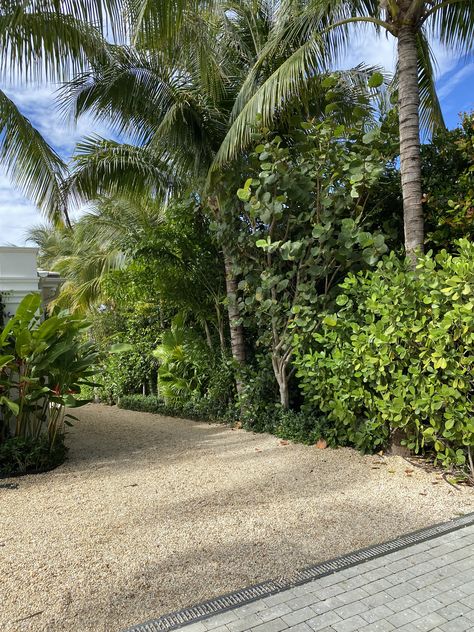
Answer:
[(285, 424)]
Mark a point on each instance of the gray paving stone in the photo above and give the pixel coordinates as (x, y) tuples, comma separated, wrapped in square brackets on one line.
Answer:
[(377, 614), (403, 617), (323, 621), (428, 587), (301, 602), (378, 599), (244, 623), (378, 626), (353, 595), (273, 613), (220, 619), (452, 611), (301, 627), (426, 607), (276, 625), (195, 627), (407, 601), (349, 625), (298, 616), (351, 609), (328, 604), (377, 586), (461, 624), (428, 622)]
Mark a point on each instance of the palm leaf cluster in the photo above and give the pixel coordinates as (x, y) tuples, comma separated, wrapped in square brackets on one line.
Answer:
[(44, 41)]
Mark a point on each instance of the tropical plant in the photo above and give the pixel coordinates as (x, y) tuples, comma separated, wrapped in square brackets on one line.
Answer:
[(449, 200), (174, 104), (398, 352), (184, 362), (320, 33), (42, 367), (305, 208), (51, 41)]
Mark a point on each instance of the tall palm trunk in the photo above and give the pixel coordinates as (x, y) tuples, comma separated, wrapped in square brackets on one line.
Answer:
[(237, 341), (410, 159)]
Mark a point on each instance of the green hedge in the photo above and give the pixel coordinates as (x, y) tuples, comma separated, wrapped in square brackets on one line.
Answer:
[(399, 353), (286, 424)]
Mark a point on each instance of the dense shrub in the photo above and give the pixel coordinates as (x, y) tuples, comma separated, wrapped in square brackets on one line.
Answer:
[(42, 367), (192, 409), (399, 353), (286, 424), (22, 455)]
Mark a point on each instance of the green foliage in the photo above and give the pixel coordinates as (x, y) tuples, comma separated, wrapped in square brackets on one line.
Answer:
[(286, 424), (42, 368), (25, 455), (398, 352), (305, 224), (448, 180)]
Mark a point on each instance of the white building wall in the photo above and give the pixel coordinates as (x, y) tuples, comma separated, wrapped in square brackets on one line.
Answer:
[(18, 275)]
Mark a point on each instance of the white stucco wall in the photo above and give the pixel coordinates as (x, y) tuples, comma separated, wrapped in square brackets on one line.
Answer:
[(18, 275)]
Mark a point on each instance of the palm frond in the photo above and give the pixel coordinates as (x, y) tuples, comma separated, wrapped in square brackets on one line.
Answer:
[(103, 167), (46, 43), (453, 23), (31, 163), (431, 116)]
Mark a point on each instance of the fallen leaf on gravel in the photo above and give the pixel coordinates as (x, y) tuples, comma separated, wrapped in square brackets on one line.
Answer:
[(321, 444), (257, 450), (435, 482), (375, 467), (391, 471), (284, 442), (409, 471), (423, 494)]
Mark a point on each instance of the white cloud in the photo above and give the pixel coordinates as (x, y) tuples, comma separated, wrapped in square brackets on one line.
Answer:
[(38, 104), (454, 80), (17, 214), (380, 50)]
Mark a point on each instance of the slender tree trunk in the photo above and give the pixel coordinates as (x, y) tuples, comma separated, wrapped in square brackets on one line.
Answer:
[(280, 365), (237, 341), (410, 158), (208, 335)]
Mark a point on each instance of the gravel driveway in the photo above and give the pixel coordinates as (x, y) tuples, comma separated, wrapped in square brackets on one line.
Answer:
[(151, 514)]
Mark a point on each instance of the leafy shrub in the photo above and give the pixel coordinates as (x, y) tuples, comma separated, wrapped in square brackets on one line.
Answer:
[(286, 424), (399, 353), (20, 455), (191, 409), (42, 368)]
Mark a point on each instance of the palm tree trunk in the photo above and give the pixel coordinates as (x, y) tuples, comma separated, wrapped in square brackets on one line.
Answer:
[(410, 158), (237, 343)]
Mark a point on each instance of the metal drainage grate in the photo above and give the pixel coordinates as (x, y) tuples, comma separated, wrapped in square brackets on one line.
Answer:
[(252, 593)]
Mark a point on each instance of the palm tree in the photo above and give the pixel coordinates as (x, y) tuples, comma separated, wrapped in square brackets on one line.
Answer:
[(322, 27), (44, 40), (175, 104), (123, 236)]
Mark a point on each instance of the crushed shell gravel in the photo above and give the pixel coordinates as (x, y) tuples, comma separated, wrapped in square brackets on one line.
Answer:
[(151, 514)]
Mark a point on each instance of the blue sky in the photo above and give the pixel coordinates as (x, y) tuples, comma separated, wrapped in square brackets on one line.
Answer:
[(455, 78)]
